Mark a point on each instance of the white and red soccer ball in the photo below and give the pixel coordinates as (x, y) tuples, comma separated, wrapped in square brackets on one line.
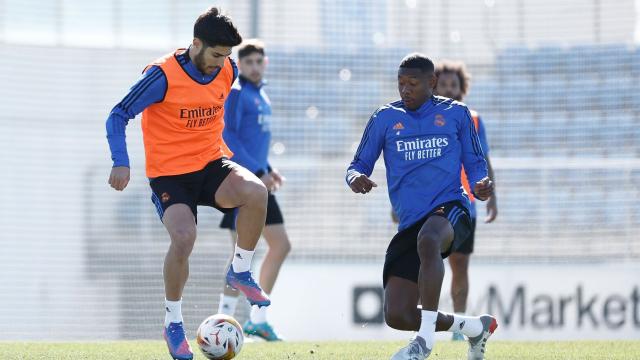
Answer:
[(220, 337)]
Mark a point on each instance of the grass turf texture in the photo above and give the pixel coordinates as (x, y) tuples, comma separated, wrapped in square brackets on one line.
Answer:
[(156, 350)]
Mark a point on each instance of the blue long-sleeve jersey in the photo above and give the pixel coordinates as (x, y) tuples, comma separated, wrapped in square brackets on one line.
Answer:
[(423, 151), (150, 88), (247, 129)]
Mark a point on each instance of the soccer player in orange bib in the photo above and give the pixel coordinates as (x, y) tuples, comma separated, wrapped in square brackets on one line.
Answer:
[(181, 96)]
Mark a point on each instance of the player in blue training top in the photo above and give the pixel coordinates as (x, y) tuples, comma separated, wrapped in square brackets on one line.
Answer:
[(247, 133), (426, 139)]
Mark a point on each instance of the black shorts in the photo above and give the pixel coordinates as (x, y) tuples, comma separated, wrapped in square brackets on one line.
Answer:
[(467, 245), (192, 189), (402, 258), (274, 215)]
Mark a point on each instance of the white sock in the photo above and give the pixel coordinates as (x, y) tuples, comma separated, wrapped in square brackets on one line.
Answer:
[(471, 326), (173, 312), (227, 304), (428, 327), (258, 314), (242, 259)]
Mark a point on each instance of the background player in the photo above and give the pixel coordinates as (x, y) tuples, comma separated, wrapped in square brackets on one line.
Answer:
[(247, 133), (182, 95), (453, 82), (424, 138)]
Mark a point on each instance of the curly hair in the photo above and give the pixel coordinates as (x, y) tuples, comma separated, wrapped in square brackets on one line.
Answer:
[(458, 68)]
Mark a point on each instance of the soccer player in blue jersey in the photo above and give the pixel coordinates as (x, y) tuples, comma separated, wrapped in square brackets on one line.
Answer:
[(247, 133), (181, 97), (453, 82), (425, 139)]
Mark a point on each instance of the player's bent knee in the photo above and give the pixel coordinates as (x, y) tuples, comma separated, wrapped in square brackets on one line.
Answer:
[(285, 247), (255, 193), (182, 241)]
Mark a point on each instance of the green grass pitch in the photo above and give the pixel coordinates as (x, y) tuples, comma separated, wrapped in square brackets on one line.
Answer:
[(372, 350)]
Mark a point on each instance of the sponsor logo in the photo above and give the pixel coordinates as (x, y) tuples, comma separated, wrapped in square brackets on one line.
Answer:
[(200, 116), (398, 126), (423, 147), (521, 308)]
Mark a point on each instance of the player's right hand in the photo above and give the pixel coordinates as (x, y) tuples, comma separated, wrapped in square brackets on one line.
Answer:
[(362, 184), (119, 177), (269, 182)]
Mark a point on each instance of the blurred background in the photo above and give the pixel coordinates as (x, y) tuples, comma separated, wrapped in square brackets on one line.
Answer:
[(556, 83)]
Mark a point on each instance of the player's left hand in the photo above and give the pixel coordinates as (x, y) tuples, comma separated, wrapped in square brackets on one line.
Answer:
[(278, 179), (483, 189), (492, 209)]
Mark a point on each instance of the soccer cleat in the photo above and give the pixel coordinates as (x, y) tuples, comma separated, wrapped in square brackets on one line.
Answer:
[(416, 350), (263, 330), (477, 345), (243, 282), (457, 336), (177, 342)]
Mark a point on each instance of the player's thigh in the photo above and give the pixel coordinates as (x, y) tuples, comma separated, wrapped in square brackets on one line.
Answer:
[(238, 187), (401, 296), (436, 232)]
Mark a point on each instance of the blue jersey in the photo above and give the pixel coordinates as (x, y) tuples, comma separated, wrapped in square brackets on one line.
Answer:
[(423, 153), (247, 129), (482, 135)]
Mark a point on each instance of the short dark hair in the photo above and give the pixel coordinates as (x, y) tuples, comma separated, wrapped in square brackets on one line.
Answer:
[(216, 29), (459, 69), (417, 61), (249, 47)]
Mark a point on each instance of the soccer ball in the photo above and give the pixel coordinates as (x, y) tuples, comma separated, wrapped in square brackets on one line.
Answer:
[(220, 337)]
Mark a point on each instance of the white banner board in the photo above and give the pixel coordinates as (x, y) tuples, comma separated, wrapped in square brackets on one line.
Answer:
[(532, 302)]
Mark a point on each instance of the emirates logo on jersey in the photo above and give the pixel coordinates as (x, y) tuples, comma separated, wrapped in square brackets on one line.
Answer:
[(439, 120)]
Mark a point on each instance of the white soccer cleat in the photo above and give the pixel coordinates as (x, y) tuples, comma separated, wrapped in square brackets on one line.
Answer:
[(478, 344), (416, 350)]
